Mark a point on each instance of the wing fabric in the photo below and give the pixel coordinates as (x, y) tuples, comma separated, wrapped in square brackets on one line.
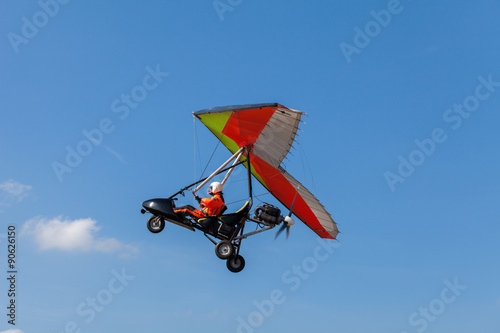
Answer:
[(270, 129)]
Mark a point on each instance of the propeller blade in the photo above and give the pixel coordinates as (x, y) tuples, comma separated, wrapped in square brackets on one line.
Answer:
[(288, 220), (293, 203), (280, 230)]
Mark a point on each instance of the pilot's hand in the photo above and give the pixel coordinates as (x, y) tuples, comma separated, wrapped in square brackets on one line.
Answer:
[(197, 198)]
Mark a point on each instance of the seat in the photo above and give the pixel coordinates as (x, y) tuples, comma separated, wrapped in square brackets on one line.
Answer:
[(207, 221), (234, 218), (224, 225)]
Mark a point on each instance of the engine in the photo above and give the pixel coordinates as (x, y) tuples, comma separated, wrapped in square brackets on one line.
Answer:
[(268, 214)]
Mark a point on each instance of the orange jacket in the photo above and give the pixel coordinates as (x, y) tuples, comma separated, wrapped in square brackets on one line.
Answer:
[(213, 205)]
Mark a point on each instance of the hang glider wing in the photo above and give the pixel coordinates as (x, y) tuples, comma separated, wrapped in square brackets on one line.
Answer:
[(270, 129)]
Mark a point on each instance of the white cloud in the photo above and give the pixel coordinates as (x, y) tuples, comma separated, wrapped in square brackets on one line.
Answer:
[(12, 192), (12, 331), (73, 235)]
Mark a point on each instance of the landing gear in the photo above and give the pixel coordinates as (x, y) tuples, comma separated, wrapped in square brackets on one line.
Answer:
[(224, 249), (156, 224), (235, 264)]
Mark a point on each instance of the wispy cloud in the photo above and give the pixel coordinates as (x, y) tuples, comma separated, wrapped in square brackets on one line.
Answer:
[(12, 192), (183, 314), (115, 154), (212, 314), (12, 331), (80, 235)]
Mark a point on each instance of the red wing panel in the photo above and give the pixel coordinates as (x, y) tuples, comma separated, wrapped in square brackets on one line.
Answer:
[(279, 186), (245, 126)]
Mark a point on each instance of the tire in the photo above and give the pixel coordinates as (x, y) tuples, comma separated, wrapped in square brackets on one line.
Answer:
[(224, 249), (235, 264), (156, 224)]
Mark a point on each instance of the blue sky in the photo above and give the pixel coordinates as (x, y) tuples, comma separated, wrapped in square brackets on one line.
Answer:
[(400, 145)]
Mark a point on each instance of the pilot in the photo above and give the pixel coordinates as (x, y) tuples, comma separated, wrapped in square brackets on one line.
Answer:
[(209, 206)]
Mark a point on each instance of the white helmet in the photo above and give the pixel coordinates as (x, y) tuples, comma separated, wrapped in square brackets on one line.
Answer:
[(215, 187)]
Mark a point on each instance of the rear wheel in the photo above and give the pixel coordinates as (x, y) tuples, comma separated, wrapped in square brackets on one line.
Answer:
[(235, 264), (224, 249), (156, 224)]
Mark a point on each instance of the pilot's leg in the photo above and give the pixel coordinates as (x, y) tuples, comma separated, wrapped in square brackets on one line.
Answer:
[(188, 210)]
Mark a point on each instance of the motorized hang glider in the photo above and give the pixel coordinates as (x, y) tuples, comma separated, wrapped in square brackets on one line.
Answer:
[(259, 136)]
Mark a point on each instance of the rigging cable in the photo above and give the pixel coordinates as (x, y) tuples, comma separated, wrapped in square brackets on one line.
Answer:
[(196, 144), (208, 163), (303, 156)]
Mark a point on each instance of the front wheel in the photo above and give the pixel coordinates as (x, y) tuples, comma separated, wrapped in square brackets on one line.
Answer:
[(235, 264), (156, 224), (224, 249)]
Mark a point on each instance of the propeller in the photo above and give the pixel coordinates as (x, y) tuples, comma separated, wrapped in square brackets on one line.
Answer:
[(288, 221)]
